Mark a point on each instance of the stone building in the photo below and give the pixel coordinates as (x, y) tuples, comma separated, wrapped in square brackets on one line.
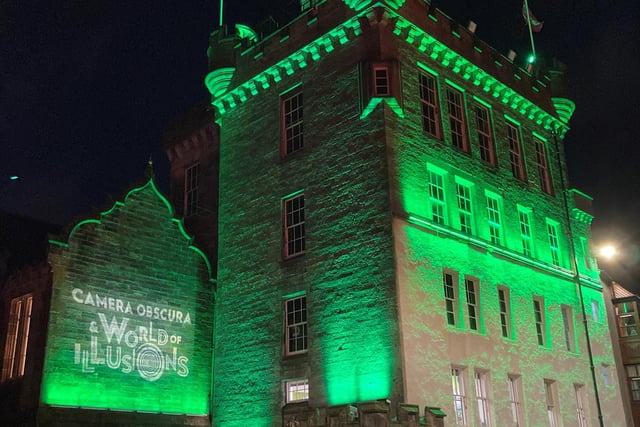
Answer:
[(396, 230)]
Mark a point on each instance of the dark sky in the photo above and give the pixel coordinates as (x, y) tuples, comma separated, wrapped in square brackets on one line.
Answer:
[(86, 87)]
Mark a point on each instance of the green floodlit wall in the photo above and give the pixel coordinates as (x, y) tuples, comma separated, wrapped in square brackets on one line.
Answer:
[(131, 313), (346, 272)]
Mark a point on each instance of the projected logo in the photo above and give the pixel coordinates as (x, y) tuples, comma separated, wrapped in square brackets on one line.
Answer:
[(129, 340)]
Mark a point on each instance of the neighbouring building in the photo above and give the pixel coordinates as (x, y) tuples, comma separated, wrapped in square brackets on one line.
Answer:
[(396, 230), (113, 326)]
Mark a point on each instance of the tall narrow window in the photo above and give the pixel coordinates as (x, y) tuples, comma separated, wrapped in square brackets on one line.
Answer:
[(627, 315), (191, 186), (524, 215), (15, 349), (436, 197), (567, 322), (554, 246), (494, 219), (381, 86), (538, 317), (297, 390), (515, 399), (485, 135), (595, 310), (457, 123), (459, 396), (543, 166), (580, 412), (451, 297), (482, 395), (294, 230), (633, 376), (292, 123), (473, 303), (429, 103), (606, 374), (515, 152), (296, 325), (551, 397), (586, 253), (465, 212), (505, 311)]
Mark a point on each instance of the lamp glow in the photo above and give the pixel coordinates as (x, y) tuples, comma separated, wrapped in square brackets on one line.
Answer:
[(608, 252)]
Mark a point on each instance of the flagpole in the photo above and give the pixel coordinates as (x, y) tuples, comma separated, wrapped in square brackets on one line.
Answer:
[(533, 47), (222, 6)]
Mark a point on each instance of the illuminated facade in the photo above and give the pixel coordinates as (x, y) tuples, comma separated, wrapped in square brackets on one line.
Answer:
[(124, 303), (395, 231)]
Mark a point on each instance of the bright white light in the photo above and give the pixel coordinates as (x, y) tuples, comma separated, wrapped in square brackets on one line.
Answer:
[(608, 251)]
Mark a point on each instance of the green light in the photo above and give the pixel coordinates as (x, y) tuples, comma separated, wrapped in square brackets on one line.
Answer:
[(531, 59), (13, 177)]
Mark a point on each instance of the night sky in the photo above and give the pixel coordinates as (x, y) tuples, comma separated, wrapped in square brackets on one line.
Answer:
[(87, 86)]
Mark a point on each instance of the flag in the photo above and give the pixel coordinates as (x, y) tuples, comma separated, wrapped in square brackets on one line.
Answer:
[(532, 21)]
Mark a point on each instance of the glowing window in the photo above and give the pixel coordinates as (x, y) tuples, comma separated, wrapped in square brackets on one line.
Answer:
[(292, 123), (297, 390), (494, 219), (551, 397), (524, 216), (15, 349), (539, 319), (451, 297), (436, 197), (567, 322), (381, 84), (485, 135), (543, 166), (633, 376), (627, 315), (191, 186), (515, 399), (554, 245), (595, 311), (505, 311), (294, 229), (482, 396), (473, 303), (429, 103), (515, 152), (580, 412), (459, 395), (465, 212), (296, 325), (457, 122)]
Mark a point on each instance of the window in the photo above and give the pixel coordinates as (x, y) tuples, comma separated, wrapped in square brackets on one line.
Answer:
[(436, 197), (580, 412), (465, 213), (294, 232), (627, 319), (595, 311), (429, 103), (457, 122), (538, 315), (567, 321), (515, 152), (543, 166), (554, 246), (494, 219), (459, 397), (482, 396), (451, 297), (15, 349), (588, 262), (551, 394), (515, 398), (296, 325), (292, 123), (524, 215), (296, 390), (633, 376), (381, 85), (473, 304), (485, 135), (191, 185), (606, 375), (505, 311)]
